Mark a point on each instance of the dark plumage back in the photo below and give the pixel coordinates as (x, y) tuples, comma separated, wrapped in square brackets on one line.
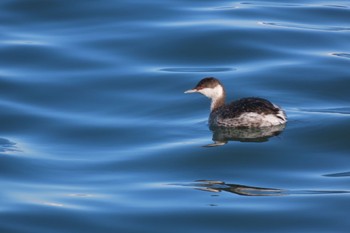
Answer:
[(245, 105)]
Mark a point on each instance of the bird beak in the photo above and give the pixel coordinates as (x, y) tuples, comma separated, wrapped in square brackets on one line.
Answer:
[(191, 91)]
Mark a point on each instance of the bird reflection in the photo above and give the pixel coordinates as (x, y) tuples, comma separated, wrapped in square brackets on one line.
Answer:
[(221, 135), (219, 186)]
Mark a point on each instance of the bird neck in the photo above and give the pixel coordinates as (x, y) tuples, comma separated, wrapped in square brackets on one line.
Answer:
[(218, 101)]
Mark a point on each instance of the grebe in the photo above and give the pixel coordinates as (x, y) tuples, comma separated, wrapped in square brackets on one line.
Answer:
[(249, 112)]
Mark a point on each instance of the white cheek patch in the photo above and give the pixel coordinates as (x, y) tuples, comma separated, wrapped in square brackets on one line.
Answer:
[(206, 92), (212, 93)]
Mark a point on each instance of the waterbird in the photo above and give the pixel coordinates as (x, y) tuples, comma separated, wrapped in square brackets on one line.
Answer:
[(251, 112)]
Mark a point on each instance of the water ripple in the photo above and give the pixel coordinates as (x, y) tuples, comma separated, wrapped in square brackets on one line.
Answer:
[(7, 146), (337, 175), (306, 27), (334, 111), (342, 55), (275, 5), (196, 69), (244, 190)]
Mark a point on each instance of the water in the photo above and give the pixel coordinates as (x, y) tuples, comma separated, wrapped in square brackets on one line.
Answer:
[(97, 136)]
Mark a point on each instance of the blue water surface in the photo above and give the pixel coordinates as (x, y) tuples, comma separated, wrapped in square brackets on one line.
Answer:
[(96, 134)]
